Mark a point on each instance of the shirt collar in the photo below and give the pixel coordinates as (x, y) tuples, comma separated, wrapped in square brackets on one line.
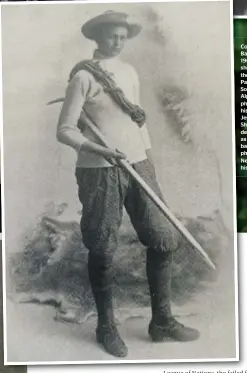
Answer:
[(99, 56)]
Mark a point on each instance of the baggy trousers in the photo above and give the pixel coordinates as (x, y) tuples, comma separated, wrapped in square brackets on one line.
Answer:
[(103, 193)]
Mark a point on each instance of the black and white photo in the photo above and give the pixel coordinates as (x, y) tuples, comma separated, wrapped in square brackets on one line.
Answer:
[(118, 180)]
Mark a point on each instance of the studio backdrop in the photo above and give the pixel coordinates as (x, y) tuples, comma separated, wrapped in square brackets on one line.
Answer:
[(183, 60)]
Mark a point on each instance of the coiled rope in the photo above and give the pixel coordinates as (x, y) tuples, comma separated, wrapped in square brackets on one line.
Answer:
[(136, 113)]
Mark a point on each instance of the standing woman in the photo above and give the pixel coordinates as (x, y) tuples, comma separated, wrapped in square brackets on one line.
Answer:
[(107, 90)]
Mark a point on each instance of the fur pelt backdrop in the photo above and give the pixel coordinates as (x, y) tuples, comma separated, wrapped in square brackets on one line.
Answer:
[(186, 91), (3, 368)]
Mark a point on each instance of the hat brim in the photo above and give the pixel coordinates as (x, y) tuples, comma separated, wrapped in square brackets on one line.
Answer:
[(91, 28)]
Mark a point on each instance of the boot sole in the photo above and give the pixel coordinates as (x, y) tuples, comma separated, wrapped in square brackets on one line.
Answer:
[(157, 335)]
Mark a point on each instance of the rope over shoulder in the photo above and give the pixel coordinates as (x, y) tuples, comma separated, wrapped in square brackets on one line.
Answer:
[(136, 113)]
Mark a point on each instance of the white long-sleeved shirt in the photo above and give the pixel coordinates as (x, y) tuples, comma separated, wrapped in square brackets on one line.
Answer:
[(85, 93)]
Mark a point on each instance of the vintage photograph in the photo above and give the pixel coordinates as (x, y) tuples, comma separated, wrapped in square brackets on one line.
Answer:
[(119, 239)]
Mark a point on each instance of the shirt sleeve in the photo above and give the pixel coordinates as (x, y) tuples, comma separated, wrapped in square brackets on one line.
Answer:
[(144, 128), (67, 131)]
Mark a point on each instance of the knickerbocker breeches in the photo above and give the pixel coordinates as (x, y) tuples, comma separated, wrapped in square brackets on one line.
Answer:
[(103, 193)]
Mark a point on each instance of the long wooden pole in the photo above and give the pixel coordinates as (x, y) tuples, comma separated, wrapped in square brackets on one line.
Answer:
[(157, 201)]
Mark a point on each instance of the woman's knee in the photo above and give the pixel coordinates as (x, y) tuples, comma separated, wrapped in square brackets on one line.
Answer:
[(160, 240)]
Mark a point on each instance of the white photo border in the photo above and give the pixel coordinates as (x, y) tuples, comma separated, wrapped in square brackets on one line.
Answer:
[(236, 277)]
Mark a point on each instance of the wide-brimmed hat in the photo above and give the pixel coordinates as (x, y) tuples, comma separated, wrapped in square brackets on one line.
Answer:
[(90, 28)]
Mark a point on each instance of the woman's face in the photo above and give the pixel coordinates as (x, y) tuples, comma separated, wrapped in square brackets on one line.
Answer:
[(111, 39)]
